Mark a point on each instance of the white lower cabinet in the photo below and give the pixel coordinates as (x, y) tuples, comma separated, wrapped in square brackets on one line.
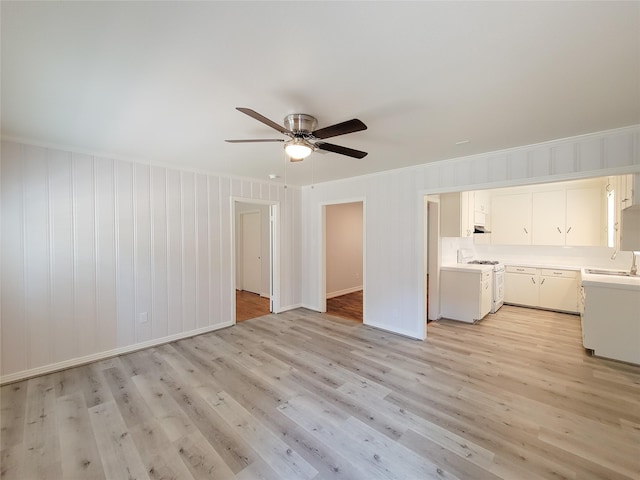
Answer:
[(553, 289), (521, 286), (466, 295), (559, 290), (610, 325)]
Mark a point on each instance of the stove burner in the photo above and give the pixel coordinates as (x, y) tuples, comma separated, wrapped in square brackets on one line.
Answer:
[(484, 262)]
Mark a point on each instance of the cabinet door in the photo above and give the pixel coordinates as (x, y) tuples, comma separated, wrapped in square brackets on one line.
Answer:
[(559, 293), (548, 213), (511, 219), (455, 220), (481, 198), (585, 215), (486, 293), (521, 289)]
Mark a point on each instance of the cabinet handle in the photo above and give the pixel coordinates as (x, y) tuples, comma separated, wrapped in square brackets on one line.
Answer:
[(525, 230), (569, 230), (542, 281), (559, 231), (534, 282)]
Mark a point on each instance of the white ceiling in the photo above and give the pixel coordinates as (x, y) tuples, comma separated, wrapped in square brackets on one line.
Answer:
[(158, 81)]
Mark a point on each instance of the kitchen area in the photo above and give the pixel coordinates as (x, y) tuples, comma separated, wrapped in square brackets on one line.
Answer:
[(566, 247)]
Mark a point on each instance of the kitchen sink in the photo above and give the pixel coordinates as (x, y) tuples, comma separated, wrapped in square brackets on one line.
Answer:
[(595, 271)]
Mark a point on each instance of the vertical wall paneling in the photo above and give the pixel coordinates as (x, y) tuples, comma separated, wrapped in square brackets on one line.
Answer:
[(105, 252), (215, 266), (202, 249), (159, 259), (498, 168), (518, 166), (563, 159), (63, 264), (84, 248), (13, 252), (540, 162), (90, 243), (142, 209), (227, 287), (189, 286), (462, 171), (479, 171), (125, 253), (590, 154), (618, 150), (37, 252), (174, 251)]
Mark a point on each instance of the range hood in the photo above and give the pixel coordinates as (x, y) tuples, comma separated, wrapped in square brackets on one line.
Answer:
[(480, 229)]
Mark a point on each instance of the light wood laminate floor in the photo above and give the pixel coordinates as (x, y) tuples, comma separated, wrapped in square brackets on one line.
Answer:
[(302, 395)]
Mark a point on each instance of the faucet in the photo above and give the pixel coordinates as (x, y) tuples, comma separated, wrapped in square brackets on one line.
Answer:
[(634, 266)]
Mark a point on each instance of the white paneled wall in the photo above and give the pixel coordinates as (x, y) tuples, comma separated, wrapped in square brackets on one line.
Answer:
[(89, 244), (394, 284)]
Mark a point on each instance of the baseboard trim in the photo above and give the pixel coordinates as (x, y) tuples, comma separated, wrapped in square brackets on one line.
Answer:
[(76, 362), (344, 291), (289, 307), (402, 333)]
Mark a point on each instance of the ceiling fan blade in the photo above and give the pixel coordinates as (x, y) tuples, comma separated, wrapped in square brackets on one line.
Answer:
[(350, 152), (343, 128), (256, 140), (263, 119)]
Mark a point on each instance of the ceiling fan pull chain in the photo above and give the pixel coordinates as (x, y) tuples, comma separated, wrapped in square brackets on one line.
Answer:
[(286, 160)]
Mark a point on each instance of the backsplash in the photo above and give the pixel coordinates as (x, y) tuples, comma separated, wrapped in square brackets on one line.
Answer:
[(537, 254)]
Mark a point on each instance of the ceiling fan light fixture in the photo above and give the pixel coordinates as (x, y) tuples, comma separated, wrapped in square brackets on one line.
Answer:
[(298, 149)]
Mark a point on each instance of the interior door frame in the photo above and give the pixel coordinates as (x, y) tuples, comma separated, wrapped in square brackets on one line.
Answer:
[(242, 255), (274, 249), (322, 287)]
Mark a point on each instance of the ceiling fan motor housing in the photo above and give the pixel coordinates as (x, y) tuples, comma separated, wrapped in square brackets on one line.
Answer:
[(300, 122)]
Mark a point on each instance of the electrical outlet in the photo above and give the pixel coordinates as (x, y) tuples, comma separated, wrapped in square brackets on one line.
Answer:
[(143, 317)]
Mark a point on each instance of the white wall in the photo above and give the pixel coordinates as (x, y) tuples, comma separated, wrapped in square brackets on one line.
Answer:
[(394, 214), (265, 253), (89, 243), (343, 248)]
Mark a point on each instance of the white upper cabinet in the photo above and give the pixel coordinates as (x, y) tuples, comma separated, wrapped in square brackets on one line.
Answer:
[(571, 216), (548, 226), (586, 218), (511, 219), (456, 214), (568, 213)]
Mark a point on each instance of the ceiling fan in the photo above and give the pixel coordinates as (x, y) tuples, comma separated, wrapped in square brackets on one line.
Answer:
[(299, 127)]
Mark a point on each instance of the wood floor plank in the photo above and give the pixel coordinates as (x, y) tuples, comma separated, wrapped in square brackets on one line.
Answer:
[(202, 459), (78, 448), (117, 449), (41, 454), (12, 411), (174, 422), (159, 455), (233, 450), (277, 454)]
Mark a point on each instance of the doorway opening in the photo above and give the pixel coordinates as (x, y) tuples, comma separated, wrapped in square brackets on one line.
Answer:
[(343, 260), (253, 259), (432, 256)]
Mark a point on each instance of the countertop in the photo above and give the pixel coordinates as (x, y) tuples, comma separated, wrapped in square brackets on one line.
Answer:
[(467, 267), (610, 281), (548, 266)]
